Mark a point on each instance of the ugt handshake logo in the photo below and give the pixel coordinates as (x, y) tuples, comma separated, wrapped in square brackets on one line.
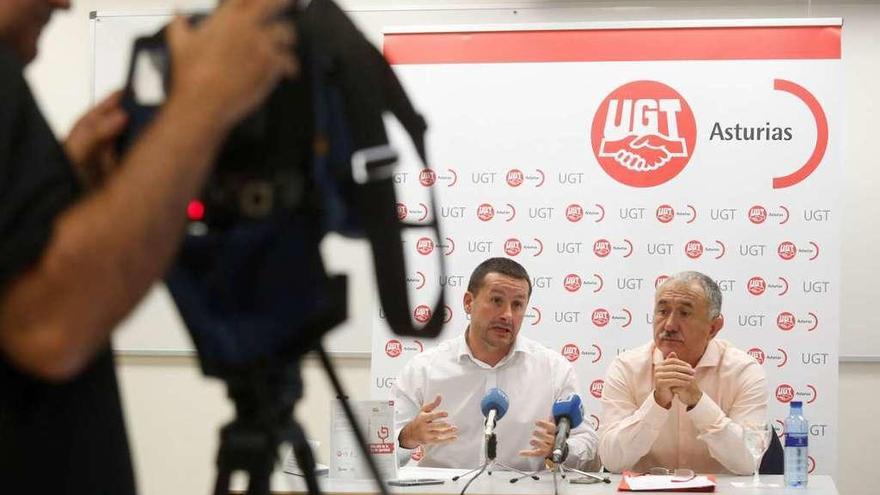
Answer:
[(643, 133), (643, 153)]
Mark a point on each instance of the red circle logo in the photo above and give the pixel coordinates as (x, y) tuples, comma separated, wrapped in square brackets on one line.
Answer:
[(693, 249), (757, 286), (602, 248), (596, 388), (485, 212), (571, 352), (422, 313), (393, 348), (785, 321), (757, 214), (784, 393), (601, 317), (425, 246), (786, 250), (515, 178), (402, 211), (512, 247), (427, 177), (643, 133), (665, 213), (574, 212), (758, 354), (659, 280), (572, 282)]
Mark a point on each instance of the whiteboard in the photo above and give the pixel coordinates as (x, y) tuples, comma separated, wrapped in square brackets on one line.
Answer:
[(156, 327)]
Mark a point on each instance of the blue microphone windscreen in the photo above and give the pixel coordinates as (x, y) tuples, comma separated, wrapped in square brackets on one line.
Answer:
[(495, 399), (570, 407)]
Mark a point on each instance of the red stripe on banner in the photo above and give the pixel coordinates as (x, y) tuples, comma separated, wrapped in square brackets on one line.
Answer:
[(727, 43)]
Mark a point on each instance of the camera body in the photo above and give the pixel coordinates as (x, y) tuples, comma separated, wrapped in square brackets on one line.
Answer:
[(249, 280)]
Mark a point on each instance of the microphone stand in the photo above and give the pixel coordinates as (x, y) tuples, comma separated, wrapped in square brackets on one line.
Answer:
[(558, 467), (563, 469), (489, 464)]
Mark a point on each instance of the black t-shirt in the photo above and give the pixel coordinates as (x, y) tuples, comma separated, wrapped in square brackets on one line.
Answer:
[(54, 438)]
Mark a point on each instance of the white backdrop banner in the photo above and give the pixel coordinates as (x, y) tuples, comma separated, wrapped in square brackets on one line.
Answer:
[(607, 159)]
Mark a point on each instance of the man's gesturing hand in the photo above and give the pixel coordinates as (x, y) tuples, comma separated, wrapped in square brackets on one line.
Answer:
[(675, 377), (542, 439), (428, 427)]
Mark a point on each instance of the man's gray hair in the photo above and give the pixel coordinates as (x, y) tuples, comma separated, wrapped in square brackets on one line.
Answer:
[(710, 289)]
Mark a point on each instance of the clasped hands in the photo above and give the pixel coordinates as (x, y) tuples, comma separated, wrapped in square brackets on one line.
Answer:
[(430, 426), (675, 378)]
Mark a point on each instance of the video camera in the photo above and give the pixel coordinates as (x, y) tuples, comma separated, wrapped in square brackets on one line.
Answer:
[(249, 280)]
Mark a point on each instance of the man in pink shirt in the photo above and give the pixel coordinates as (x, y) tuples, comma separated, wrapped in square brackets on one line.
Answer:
[(681, 401)]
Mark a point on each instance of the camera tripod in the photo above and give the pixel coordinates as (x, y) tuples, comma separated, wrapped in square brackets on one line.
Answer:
[(264, 397)]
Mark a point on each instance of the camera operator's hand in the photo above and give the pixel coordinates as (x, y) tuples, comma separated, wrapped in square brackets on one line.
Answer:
[(89, 146), (229, 63)]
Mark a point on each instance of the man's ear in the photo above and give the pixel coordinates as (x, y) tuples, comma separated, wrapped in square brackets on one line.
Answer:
[(468, 302), (716, 326)]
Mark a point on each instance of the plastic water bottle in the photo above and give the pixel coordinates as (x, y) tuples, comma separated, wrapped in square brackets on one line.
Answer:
[(797, 431)]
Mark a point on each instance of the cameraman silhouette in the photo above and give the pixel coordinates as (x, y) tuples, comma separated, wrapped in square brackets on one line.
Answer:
[(85, 233)]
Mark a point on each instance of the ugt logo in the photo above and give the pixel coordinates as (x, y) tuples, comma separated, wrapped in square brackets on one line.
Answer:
[(597, 387), (393, 348), (643, 133), (571, 352)]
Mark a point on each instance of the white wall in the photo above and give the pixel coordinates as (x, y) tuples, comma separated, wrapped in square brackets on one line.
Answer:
[(173, 413)]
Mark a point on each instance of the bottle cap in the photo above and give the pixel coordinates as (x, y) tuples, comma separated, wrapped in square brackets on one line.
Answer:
[(796, 404)]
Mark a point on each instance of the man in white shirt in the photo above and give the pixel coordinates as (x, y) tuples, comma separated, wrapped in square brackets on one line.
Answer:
[(683, 399), (437, 396)]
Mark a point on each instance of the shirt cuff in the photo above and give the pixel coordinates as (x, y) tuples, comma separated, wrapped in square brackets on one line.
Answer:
[(705, 413), (653, 415), (403, 454)]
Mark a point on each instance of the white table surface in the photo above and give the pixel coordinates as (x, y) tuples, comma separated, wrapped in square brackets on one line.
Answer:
[(499, 484)]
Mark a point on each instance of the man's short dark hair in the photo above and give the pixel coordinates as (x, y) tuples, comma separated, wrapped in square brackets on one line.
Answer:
[(503, 266)]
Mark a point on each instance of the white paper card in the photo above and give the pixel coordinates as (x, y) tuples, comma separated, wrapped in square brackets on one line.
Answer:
[(376, 419)]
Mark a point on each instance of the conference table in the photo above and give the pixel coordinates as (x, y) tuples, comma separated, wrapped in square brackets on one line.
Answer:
[(499, 484)]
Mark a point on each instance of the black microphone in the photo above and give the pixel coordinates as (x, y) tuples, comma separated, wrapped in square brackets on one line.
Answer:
[(568, 413)]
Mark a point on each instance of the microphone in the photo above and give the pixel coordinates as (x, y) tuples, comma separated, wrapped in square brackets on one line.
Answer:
[(568, 413), (494, 405)]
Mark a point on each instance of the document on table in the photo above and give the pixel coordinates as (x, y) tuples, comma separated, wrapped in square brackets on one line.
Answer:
[(631, 482)]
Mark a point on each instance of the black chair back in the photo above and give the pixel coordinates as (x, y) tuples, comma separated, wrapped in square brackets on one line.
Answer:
[(774, 459)]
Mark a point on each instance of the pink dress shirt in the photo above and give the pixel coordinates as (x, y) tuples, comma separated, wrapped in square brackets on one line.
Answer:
[(636, 433)]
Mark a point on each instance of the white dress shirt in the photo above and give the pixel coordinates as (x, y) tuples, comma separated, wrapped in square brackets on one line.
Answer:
[(638, 434), (532, 376)]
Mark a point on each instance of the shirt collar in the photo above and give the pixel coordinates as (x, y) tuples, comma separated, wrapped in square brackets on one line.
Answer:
[(519, 346), (711, 357)]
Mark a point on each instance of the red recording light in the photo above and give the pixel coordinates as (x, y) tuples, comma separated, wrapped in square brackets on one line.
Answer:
[(195, 210)]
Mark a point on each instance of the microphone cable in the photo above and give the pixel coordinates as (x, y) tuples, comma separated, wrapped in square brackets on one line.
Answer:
[(464, 489)]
